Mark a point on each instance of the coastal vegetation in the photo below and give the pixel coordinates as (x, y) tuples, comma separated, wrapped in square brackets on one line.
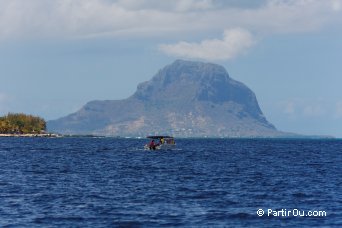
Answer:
[(19, 123)]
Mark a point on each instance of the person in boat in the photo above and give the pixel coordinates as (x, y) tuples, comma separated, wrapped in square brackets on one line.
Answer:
[(170, 141), (162, 140), (152, 145)]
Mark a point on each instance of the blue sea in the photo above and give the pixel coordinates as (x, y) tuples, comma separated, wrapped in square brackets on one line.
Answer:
[(108, 182)]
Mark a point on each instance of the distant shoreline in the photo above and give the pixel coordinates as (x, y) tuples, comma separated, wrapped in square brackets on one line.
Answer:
[(54, 135), (45, 135)]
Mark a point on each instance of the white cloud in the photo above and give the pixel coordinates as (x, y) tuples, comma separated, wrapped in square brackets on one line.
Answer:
[(314, 110), (298, 15), (20, 19), (175, 5), (84, 18), (289, 108), (336, 5), (306, 108), (233, 43), (187, 5)]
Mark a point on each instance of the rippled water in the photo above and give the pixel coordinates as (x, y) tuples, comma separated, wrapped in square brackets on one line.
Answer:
[(88, 182)]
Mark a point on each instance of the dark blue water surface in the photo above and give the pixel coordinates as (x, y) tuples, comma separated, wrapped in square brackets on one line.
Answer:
[(106, 182)]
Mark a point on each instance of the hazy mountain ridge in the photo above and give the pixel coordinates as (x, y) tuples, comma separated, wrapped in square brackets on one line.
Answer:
[(185, 99)]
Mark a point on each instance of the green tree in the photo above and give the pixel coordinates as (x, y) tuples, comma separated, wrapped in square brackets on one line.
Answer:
[(20, 123)]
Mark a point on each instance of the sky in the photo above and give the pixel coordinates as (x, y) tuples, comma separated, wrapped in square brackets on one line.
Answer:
[(55, 56)]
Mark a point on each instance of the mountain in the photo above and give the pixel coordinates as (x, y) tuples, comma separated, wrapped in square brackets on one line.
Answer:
[(184, 99)]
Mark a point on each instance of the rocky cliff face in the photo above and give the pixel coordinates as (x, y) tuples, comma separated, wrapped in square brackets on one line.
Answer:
[(184, 99)]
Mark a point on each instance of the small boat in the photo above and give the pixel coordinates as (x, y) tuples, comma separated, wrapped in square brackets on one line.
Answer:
[(160, 142)]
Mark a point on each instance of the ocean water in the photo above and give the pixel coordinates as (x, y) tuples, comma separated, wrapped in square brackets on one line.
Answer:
[(107, 182)]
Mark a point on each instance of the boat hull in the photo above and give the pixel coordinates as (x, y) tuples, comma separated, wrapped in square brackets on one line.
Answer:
[(161, 147)]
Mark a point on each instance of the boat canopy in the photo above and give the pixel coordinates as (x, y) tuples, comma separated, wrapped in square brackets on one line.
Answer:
[(159, 137)]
